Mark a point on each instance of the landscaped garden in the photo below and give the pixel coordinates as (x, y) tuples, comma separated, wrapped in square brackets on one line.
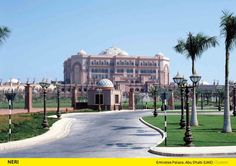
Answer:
[(208, 133), (23, 126), (28, 125)]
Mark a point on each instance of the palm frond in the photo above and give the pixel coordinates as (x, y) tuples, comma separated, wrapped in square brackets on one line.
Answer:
[(228, 29), (4, 33), (203, 42), (194, 46), (180, 47)]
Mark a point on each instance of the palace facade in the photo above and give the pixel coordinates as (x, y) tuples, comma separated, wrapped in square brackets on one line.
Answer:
[(124, 70)]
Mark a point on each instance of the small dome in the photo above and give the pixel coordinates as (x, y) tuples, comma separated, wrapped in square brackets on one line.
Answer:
[(114, 51), (105, 83), (160, 54), (82, 52), (14, 81)]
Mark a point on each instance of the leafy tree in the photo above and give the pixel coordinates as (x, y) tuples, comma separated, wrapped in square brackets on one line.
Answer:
[(228, 30), (192, 48)]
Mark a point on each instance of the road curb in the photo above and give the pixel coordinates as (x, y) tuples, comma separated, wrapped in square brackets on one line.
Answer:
[(58, 130), (191, 151), (155, 128)]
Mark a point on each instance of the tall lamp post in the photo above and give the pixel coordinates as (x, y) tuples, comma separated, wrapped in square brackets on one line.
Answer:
[(181, 81), (10, 95), (234, 99), (202, 100), (219, 91), (155, 101), (188, 134), (58, 87), (44, 85)]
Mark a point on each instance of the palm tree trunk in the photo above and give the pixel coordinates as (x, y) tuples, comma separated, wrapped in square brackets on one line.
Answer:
[(193, 66), (227, 124), (194, 121)]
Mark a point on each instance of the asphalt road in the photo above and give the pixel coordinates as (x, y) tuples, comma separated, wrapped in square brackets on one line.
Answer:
[(110, 134)]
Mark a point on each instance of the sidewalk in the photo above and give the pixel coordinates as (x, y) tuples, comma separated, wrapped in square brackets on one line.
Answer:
[(188, 151), (194, 151), (59, 130)]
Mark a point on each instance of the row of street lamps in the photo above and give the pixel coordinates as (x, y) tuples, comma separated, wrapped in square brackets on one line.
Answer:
[(184, 87), (10, 95), (45, 85), (181, 82)]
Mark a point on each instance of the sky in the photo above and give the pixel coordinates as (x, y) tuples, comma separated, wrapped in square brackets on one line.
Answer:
[(44, 33)]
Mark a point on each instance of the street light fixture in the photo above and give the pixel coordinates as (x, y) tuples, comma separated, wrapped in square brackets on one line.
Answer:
[(181, 81), (10, 95), (195, 78), (188, 134), (44, 85), (202, 98), (178, 79), (219, 92), (58, 88), (155, 101), (234, 99)]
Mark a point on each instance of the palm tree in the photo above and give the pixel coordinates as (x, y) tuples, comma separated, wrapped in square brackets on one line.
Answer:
[(228, 29), (193, 48), (4, 33)]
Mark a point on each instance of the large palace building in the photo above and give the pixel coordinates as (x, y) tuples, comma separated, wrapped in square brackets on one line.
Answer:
[(124, 70)]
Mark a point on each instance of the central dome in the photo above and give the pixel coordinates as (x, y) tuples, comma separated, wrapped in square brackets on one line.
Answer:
[(105, 83), (114, 51), (82, 52)]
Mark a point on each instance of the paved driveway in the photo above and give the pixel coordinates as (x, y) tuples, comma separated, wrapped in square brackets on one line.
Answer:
[(110, 134)]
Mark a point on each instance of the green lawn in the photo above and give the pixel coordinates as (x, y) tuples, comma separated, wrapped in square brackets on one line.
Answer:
[(23, 126), (28, 125), (208, 133)]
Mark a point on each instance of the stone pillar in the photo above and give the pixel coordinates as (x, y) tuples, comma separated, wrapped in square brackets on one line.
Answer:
[(28, 97), (74, 96), (171, 101), (131, 99)]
